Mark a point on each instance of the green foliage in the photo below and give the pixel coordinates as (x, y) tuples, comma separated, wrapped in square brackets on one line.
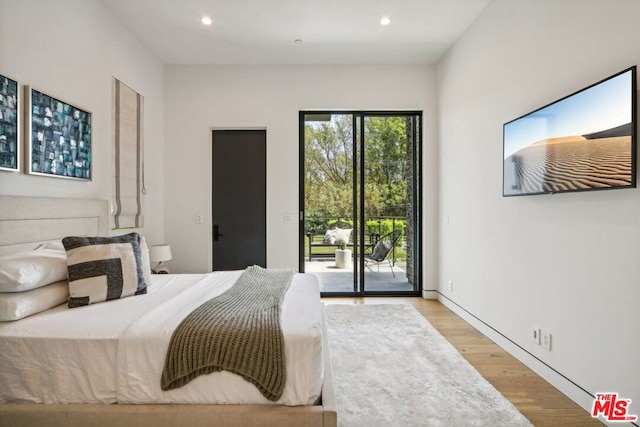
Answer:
[(385, 162), (314, 222), (332, 222), (385, 226), (329, 167)]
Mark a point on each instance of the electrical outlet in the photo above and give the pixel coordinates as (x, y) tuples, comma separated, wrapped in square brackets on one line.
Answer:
[(450, 285), (546, 340), (198, 219), (535, 335), (288, 218)]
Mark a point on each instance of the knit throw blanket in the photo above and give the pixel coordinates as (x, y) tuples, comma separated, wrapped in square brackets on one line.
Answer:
[(238, 331)]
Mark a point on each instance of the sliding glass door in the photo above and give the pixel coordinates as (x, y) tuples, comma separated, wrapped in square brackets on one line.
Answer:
[(360, 201)]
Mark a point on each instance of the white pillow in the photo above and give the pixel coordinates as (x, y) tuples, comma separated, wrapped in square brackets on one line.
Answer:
[(343, 235), (57, 245), (32, 269), (146, 261), (18, 305)]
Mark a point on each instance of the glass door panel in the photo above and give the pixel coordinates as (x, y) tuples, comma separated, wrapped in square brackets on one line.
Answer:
[(329, 193), (389, 177), (360, 187)]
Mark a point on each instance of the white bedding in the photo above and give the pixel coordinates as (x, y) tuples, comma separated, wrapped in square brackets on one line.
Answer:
[(114, 351)]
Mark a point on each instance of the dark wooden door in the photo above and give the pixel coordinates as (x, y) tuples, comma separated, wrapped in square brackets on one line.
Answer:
[(239, 198)]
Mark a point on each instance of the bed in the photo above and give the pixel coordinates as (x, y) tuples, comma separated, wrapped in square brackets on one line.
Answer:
[(123, 356)]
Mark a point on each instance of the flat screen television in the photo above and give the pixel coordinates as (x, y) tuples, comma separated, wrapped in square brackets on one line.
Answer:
[(584, 141)]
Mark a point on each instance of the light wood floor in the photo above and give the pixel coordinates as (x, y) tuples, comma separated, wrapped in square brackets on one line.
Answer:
[(535, 398)]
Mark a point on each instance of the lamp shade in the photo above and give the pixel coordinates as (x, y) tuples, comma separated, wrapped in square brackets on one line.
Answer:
[(160, 253)]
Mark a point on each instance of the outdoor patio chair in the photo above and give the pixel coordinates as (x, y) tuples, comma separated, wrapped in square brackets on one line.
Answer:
[(382, 249)]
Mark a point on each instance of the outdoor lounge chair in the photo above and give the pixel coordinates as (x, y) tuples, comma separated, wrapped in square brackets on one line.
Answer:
[(382, 249)]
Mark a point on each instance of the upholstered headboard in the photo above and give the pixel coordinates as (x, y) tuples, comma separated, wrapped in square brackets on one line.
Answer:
[(25, 222)]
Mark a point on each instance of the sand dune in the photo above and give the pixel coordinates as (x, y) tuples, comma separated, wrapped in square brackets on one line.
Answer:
[(560, 139), (570, 165), (622, 130)]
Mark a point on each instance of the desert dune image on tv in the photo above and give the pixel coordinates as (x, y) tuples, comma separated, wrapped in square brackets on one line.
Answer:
[(582, 142)]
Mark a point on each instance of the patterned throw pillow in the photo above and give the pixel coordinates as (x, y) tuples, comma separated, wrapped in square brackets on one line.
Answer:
[(330, 237), (104, 268), (380, 250)]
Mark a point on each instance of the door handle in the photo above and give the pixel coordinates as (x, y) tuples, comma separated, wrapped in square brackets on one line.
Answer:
[(216, 233)]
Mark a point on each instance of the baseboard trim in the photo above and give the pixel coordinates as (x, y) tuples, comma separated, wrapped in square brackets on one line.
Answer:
[(569, 388), (426, 294)]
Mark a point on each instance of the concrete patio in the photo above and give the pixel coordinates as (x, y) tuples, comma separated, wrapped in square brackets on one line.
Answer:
[(333, 279)]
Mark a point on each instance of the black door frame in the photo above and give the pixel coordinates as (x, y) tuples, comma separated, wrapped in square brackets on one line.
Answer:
[(358, 138)]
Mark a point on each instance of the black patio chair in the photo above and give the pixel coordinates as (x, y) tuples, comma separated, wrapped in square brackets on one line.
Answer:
[(382, 249)]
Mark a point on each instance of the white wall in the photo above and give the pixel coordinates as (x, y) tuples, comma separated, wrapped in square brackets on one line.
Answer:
[(71, 49), (201, 97), (567, 263)]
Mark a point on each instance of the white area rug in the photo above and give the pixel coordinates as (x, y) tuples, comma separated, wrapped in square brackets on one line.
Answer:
[(393, 368)]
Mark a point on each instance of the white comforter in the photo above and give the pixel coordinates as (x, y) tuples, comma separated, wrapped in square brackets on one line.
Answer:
[(114, 351)]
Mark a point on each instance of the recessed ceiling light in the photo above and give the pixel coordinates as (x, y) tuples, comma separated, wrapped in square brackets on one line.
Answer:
[(297, 41), (206, 20), (385, 21)]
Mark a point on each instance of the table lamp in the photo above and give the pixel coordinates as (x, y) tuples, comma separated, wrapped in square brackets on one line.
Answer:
[(159, 254)]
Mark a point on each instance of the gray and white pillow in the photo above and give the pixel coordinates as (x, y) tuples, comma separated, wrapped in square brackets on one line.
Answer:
[(330, 237), (104, 268), (381, 249)]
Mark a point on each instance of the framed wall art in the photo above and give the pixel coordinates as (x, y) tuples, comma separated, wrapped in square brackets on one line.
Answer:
[(9, 125), (59, 137)]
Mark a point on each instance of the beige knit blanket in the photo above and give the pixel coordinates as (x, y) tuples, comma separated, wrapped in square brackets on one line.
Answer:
[(238, 331)]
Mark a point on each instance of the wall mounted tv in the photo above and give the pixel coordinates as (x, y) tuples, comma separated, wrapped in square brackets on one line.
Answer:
[(585, 141)]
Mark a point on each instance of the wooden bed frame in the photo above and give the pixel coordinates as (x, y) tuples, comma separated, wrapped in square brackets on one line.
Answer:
[(26, 222)]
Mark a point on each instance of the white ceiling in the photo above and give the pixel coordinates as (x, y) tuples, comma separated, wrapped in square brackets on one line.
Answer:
[(263, 31)]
